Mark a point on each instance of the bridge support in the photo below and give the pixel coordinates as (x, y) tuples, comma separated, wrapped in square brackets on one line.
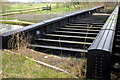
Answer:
[(98, 65)]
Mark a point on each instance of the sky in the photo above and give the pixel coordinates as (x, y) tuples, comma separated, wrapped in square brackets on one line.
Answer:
[(21, 0), (60, 0)]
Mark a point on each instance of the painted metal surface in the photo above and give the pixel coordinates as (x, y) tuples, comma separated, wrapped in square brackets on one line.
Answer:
[(100, 52)]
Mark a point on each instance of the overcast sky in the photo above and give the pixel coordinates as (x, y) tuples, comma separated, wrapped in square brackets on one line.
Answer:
[(62, 0), (21, 0)]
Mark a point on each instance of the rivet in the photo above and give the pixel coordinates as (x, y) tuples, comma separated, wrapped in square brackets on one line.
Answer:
[(101, 74), (100, 77)]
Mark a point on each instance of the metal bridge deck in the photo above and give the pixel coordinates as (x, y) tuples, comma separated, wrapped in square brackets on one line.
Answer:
[(75, 37)]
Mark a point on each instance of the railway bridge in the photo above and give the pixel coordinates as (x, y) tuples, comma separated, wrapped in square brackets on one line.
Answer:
[(90, 33)]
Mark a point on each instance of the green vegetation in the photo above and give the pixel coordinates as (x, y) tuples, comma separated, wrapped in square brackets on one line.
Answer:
[(56, 8), (6, 18), (24, 6), (17, 66)]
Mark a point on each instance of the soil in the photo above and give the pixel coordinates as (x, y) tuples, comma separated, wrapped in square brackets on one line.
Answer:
[(34, 17)]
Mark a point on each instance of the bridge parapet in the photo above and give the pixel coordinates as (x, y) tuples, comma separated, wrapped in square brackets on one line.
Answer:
[(111, 22), (39, 29), (100, 52)]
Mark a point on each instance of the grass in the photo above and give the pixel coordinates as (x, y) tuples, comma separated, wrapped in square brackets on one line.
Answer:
[(6, 18), (56, 8), (24, 6), (17, 66)]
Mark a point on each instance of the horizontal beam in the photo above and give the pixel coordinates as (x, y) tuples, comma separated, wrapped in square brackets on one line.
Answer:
[(80, 37), (73, 32), (59, 48), (88, 27), (64, 41), (79, 29)]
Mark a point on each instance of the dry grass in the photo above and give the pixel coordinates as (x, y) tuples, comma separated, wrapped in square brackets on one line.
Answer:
[(76, 67), (17, 66)]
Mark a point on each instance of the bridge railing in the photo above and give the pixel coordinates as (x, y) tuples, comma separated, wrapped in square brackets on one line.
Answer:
[(44, 27), (99, 53)]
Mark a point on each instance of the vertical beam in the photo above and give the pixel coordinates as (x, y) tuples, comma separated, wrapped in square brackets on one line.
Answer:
[(0, 41)]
